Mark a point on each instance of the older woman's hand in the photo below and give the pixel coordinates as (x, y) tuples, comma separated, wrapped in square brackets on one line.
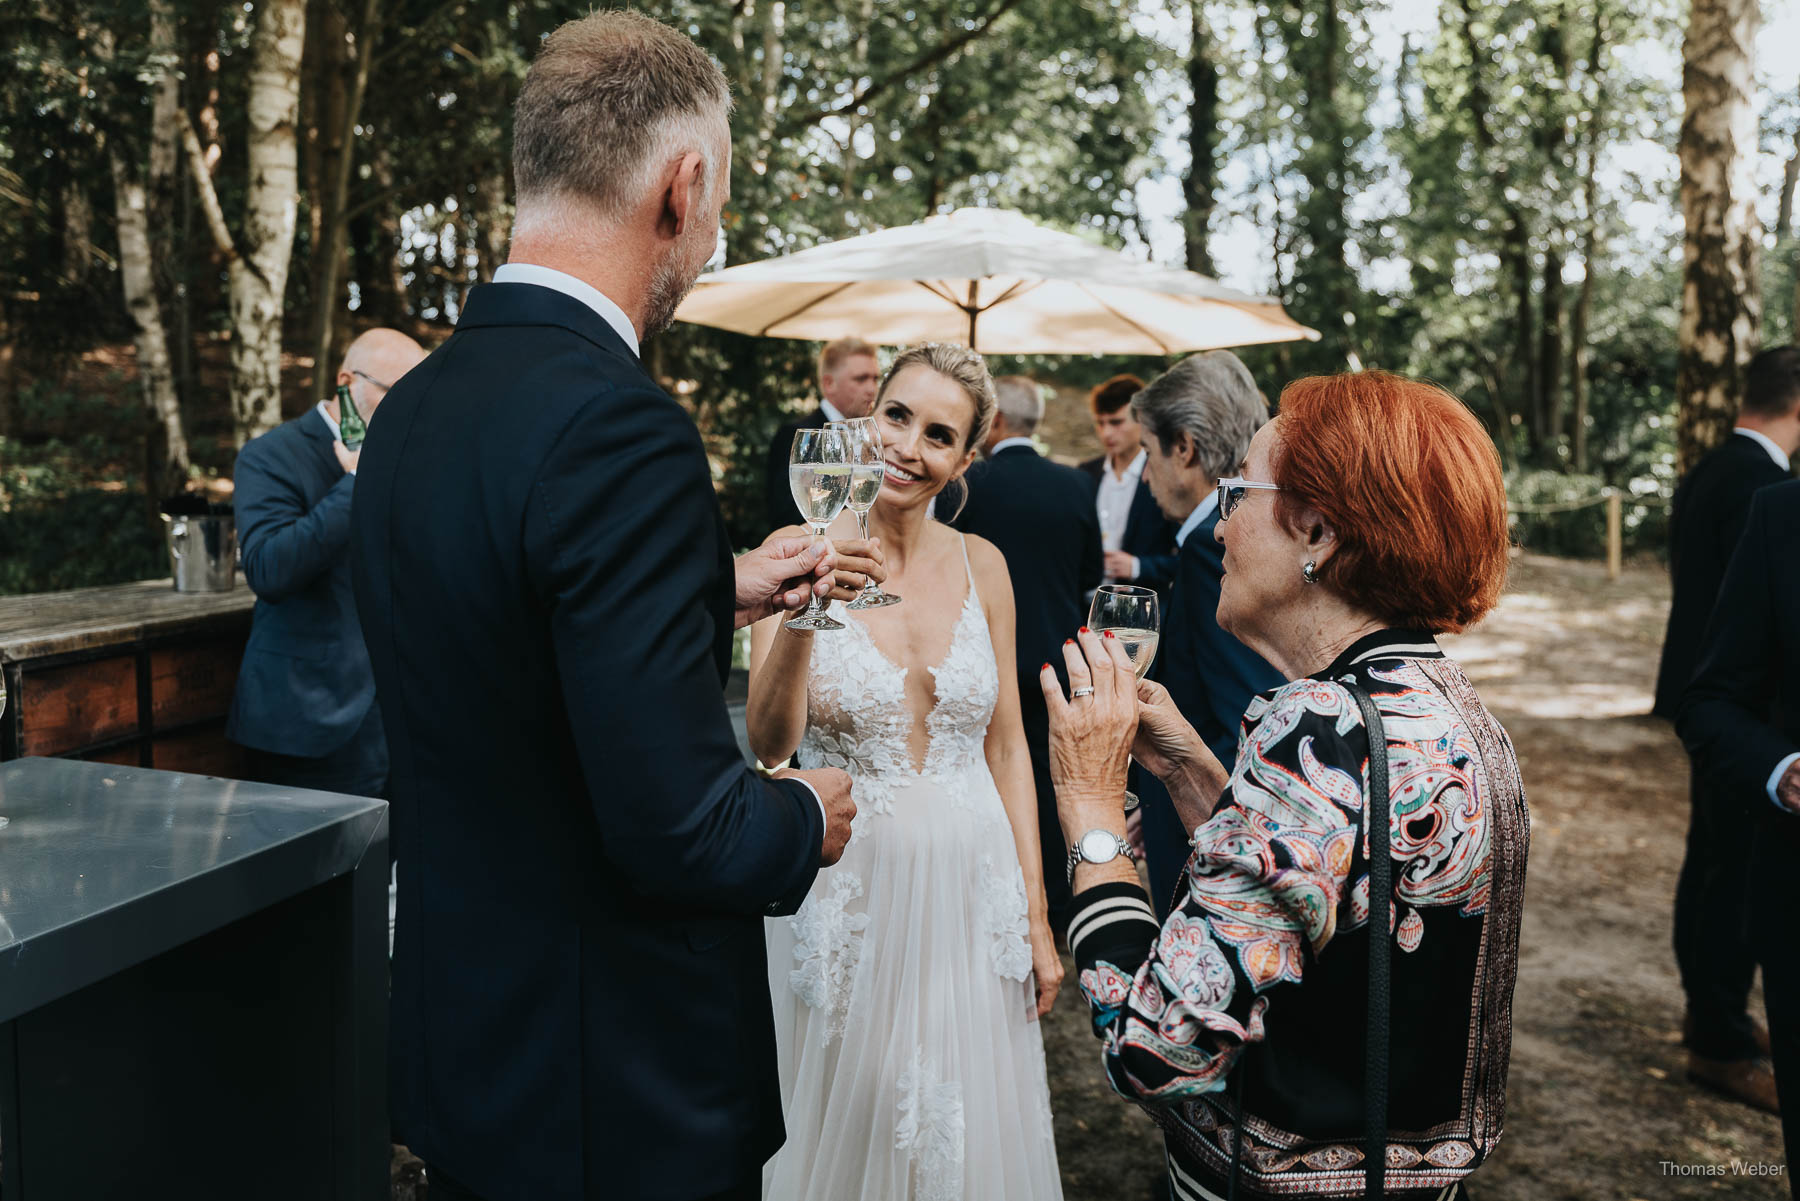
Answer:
[(1091, 730)]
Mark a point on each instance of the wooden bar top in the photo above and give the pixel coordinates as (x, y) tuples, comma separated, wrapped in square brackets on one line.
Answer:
[(56, 623)]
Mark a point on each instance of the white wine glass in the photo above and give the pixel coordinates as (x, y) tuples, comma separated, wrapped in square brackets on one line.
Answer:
[(1135, 619), (819, 477), (867, 468)]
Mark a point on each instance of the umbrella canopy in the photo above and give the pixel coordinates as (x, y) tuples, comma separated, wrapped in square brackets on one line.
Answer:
[(993, 280)]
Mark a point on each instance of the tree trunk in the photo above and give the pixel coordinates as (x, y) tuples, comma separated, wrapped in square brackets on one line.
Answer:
[(1203, 141), (1784, 212), (1550, 357), (1721, 304), (383, 282), (353, 49), (1579, 352), (1522, 373), (163, 181), (493, 222), (155, 373)]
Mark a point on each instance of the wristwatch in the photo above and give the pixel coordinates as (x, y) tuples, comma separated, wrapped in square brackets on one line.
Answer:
[(1098, 846)]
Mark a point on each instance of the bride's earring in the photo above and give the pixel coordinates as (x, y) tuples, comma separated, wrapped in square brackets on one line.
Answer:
[(1310, 573)]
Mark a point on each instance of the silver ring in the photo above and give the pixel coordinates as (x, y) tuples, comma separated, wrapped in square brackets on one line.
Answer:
[(1075, 692)]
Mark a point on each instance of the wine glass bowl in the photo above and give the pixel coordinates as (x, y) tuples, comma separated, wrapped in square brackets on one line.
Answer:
[(867, 469), (1134, 617), (819, 478)]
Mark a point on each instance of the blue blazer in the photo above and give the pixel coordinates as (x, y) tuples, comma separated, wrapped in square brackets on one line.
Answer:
[(580, 1003), (304, 685), (1211, 677)]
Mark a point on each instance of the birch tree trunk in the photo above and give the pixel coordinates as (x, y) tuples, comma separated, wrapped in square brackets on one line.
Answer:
[(156, 374), (329, 320), (1721, 304), (1579, 351), (259, 270)]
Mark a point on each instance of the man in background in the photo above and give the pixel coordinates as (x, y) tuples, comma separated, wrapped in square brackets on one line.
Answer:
[(1139, 542), (305, 701), (848, 376), (1727, 1048), (1198, 418), (1041, 516)]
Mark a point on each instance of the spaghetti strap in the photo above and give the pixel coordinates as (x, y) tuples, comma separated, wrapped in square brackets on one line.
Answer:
[(968, 570)]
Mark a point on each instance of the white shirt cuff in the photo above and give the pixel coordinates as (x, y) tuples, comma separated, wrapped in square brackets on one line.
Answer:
[(1775, 780), (1137, 570), (823, 820)]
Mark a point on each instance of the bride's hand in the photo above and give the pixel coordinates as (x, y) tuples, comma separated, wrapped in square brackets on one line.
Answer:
[(1046, 966)]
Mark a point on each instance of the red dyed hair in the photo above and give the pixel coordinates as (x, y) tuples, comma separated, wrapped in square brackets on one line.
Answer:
[(1411, 483)]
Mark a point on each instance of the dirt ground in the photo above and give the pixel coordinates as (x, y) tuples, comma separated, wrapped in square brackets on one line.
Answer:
[(1598, 1103)]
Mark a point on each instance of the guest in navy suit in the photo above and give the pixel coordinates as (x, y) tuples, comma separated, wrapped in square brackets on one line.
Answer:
[(305, 700), (1198, 418), (1138, 540), (580, 1004), (848, 375), (1727, 1048), (1041, 516)]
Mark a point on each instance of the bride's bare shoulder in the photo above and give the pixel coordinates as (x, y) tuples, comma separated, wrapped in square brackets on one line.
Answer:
[(988, 566)]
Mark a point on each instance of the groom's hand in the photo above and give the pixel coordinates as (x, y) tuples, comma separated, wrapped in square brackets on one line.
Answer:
[(783, 573), (833, 787)]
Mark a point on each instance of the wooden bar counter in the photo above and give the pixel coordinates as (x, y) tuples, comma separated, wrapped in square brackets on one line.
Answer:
[(135, 674)]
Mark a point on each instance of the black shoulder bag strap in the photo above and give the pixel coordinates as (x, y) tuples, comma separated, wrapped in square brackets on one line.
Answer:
[(1381, 892)]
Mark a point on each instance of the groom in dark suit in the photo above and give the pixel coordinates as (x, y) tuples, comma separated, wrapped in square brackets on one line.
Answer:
[(1740, 719), (1727, 1048), (580, 1003), (304, 706), (1198, 418), (1041, 516)]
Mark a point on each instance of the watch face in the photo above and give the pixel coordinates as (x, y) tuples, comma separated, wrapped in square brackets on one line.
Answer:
[(1097, 846)]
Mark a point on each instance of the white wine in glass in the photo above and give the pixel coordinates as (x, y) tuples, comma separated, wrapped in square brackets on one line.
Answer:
[(819, 477), (1133, 616), (867, 469)]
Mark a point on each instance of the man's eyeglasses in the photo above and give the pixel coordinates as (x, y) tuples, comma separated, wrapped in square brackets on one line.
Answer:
[(371, 379), (1232, 490)]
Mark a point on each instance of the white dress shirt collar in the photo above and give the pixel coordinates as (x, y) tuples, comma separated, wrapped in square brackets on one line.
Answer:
[(1775, 452), (1134, 470), (1008, 443), (330, 422), (831, 411), (1198, 517), (568, 285)]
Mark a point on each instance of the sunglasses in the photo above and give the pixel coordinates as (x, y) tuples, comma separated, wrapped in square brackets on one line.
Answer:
[(1232, 491)]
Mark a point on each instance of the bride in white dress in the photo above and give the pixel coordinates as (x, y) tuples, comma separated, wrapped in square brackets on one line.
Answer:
[(907, 988)]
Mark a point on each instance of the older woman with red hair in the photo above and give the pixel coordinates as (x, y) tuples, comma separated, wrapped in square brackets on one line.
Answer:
[(1284, 1050)]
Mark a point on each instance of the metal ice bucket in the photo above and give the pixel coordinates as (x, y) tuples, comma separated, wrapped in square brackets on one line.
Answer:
[(202, 548)]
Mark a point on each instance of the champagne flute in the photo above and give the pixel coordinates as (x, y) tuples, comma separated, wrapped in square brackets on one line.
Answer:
[(867, 468), (819, 477), (1133, 616)]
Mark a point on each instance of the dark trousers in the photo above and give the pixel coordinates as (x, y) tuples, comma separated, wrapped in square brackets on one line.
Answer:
[(1712, 920), (1772, 868), (1058, 899), (440, 1186), (358, 768)]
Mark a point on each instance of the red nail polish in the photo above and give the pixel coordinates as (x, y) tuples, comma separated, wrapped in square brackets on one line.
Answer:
[(1085, 630), (1068, 642), (1108, 633), (1045, 667)]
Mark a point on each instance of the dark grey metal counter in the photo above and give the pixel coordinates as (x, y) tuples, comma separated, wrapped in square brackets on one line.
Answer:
[(193, 986)]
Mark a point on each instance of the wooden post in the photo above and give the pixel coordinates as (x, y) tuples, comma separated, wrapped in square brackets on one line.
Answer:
[(1615, 536)]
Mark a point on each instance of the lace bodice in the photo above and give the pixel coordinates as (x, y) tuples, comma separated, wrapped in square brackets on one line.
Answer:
[(857, 716)]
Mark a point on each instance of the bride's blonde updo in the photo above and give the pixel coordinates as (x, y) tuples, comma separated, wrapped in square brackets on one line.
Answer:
[(960, 364)]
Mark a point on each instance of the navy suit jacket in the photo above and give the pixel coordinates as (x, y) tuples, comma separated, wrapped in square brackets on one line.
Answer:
[(1148, 534), (1740, 715), (580, 1001), (304, 685), (1211, 677), (1705, 522)]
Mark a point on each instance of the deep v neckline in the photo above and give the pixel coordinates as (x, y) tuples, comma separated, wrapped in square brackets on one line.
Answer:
[(905, 671)]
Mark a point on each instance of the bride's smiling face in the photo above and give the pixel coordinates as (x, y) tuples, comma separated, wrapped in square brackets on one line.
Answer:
[(925, 419)]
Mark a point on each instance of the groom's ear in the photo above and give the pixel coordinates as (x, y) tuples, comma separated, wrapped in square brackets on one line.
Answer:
[(682, 194)]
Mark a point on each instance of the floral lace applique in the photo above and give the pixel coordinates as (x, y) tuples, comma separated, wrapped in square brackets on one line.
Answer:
[(1005, 917), (828, 945), (931, 1128)]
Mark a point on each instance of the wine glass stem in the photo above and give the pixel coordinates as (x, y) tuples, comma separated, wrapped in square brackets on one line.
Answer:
[(817, 608), (862, 526)]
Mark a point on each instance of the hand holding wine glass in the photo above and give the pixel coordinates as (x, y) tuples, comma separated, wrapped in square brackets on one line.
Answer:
[(819, 476), (1134, 618)]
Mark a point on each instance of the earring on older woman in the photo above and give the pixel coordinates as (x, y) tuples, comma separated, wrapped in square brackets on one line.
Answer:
[(1310, 573)]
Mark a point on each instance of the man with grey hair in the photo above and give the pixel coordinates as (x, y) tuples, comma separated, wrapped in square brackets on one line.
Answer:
[(1198, 418), (1041, 515), (580, 990)]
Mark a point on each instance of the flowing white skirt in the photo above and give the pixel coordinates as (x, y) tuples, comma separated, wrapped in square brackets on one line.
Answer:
[(911, 1066)]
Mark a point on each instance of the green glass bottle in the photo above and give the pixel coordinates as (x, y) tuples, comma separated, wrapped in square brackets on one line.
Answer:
[(351, 427)]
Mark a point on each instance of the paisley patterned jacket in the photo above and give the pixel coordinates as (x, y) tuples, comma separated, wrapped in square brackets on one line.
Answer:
[(1261, 971)]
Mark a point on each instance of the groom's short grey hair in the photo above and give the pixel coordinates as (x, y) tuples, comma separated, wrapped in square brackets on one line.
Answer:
[(1212, 399), (1021, 402), (611, 100)]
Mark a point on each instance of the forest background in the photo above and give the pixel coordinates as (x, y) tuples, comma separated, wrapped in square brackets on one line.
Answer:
[(201, 202)]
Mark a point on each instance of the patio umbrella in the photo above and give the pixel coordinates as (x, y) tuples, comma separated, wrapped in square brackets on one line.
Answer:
[(993, 280)]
